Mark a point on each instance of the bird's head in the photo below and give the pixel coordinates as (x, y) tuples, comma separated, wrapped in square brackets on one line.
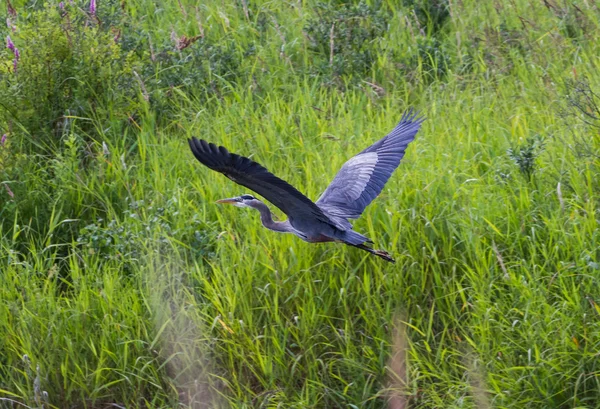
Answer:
[(240, 201)]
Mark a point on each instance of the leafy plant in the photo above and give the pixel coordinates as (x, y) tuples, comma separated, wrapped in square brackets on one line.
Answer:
[(343, 40), (526, 154)]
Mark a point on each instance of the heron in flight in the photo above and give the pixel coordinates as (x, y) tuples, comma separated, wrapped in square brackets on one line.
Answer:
[(359, 181)]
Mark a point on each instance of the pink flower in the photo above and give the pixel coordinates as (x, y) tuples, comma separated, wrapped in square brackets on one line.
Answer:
[(93, 7), (16, 60), (61, 5), (3, 140), (9, 44), (10, 25)]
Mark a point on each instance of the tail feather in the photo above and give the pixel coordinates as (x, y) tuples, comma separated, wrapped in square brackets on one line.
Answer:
[(354, 238)]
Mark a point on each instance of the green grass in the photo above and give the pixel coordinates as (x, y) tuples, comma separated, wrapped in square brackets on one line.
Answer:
[(169, 300)]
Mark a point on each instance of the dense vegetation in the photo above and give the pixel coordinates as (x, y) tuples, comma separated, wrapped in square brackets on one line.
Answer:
[(124, 285)]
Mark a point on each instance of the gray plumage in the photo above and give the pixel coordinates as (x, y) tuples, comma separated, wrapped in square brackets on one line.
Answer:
[(359, 181)]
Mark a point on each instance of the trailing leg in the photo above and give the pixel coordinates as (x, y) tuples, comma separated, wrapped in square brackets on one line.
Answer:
[(379, 253)]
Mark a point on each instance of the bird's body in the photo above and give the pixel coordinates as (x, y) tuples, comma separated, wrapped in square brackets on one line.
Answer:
[(358, 182)]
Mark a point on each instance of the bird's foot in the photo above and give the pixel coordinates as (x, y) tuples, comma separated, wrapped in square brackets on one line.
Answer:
[(384, 255)]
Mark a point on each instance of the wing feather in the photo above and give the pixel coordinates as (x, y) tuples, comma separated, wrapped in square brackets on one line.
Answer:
[(362, 178), (256, 177)]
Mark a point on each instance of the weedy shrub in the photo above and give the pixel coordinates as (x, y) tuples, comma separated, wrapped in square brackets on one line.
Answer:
[(500, 47), (98, 67), (580, 112), (5, 190), (431, 14), (343, 40), (124, 240), (582, 106), (76, 69), (70, 65), (432, 57), (525, 155), (196, 67), (572, 22)]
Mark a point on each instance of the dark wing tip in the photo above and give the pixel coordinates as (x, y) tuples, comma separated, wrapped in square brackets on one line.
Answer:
[(209, 154), (195, 147), (411, 115), (244, 171)]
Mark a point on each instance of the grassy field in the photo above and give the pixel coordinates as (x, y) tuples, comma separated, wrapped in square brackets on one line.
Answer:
[(124, 285)]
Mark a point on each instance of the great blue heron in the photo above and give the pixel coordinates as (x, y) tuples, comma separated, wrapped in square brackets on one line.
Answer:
[(358, 182)]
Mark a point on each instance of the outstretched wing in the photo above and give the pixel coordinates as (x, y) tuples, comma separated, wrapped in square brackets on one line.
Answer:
[(362, 178), (252, 175)]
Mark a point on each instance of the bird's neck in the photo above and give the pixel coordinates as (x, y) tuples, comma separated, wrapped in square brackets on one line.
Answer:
[(267, 219)]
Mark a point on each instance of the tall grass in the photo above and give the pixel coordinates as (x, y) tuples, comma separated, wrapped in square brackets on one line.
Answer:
[(126, 285)]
